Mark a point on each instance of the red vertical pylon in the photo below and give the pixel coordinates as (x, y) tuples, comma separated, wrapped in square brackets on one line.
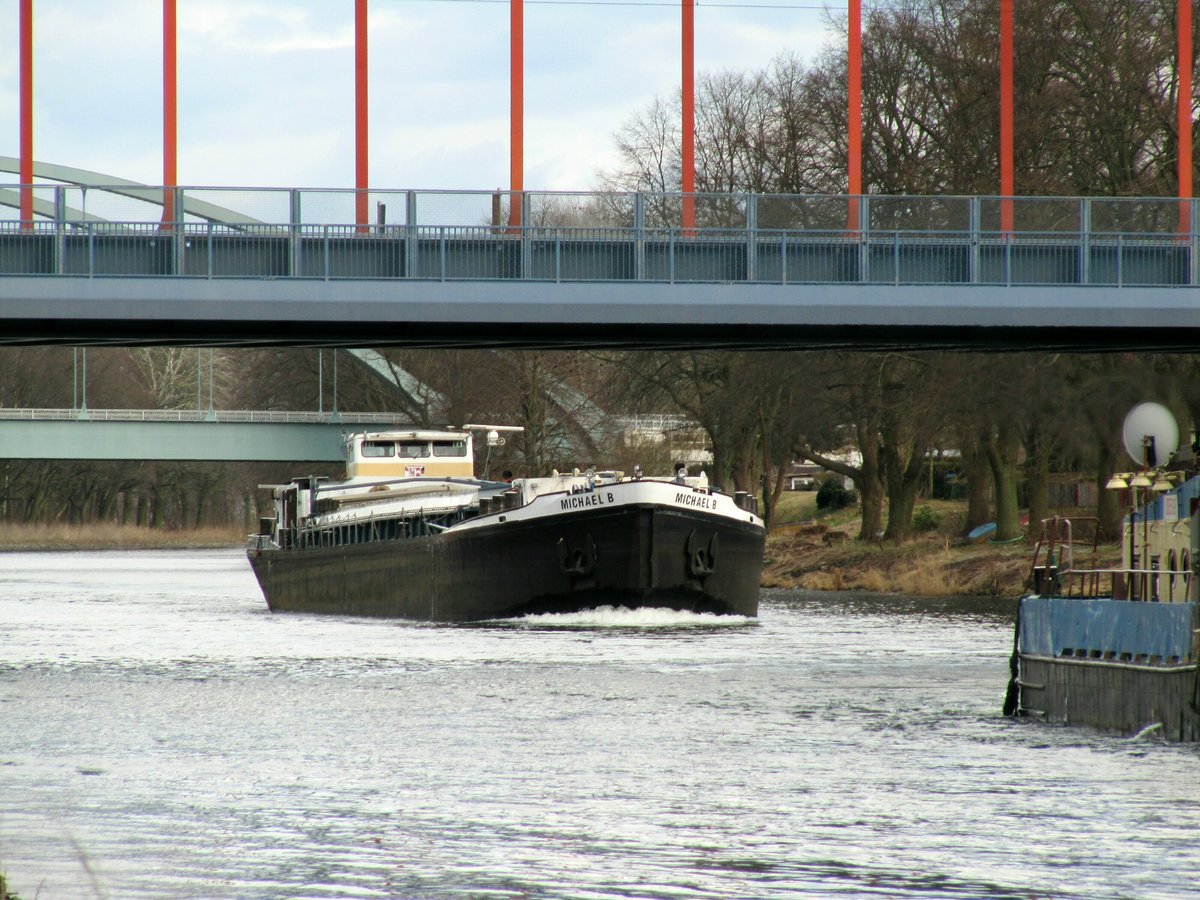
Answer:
[(689, 114), (361, 179), (1184, 89), (516, 111), (170, 173), (26, 90), (1007, 185), (854, 112)]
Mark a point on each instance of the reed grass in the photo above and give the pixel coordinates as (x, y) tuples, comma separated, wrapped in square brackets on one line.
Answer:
[(108, 536)]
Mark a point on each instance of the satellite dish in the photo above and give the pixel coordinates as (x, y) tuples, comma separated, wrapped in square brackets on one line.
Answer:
[(1151, 434)]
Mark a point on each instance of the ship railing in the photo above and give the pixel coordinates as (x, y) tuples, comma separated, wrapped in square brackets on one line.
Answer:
[(374, 529), (1153, 585), (1053, 566)]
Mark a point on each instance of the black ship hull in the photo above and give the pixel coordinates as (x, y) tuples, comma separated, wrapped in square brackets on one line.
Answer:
[(625, 555)]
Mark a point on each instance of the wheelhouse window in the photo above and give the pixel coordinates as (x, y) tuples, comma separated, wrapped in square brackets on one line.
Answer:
[(449, 448), (377, 449), (413, 449)]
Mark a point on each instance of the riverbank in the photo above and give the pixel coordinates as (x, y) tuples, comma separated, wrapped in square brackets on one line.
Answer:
[(816, 553), (106, 536), (828, 560), (820, 554)]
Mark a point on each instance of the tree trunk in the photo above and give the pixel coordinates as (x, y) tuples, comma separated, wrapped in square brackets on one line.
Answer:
[(870, 490), (869, 482), (1002, 451), (1108, 503), (903, 483), (979, 483), (1037, 484)]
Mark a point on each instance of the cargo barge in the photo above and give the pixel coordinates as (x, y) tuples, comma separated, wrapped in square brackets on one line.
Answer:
[(413, 533), (1116, 649)]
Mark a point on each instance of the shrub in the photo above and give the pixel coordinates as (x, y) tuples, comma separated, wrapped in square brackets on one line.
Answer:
[(832, 495), (925, 519)]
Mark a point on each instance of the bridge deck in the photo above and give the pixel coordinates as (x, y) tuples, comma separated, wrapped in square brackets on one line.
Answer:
[(82, 280)]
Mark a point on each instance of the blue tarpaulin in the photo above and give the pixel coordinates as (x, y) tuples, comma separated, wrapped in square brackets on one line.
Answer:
[(1050, 625)]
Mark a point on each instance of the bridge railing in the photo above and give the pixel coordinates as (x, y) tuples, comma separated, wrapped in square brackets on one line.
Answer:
[(300, 233)]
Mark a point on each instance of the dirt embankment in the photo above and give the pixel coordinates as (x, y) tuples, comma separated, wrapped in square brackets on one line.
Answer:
[(818, 557), (15, 537)]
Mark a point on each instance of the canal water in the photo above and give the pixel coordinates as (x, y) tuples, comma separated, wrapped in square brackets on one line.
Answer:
[(163, 735)]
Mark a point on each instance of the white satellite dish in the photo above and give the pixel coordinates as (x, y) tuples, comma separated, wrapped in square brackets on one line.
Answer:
[(1151, 434)]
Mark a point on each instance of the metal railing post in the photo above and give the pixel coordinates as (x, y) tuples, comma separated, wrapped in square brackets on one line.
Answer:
[(91, 248), (208, 242), (295, 263), (442, 252), (671, 255), (1085, 240), (1120, 261), (1008, 238), (864, 239), (975, 215), (325, 254), (639, 236), (1194, 242), (411, 247), (526, 242), (783, 254), (178, 243), (60, 229), (752, 237)]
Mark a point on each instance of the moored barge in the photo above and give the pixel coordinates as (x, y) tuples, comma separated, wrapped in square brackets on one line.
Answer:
[(1116, 649)]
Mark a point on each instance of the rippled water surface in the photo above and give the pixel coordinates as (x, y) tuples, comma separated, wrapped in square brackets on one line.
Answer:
[(163, 735)]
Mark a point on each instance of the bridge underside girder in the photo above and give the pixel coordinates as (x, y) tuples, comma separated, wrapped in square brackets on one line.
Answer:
[(371, 312), (80, 439)]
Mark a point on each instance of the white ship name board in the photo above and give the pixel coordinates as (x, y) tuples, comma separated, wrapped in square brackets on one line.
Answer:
[(582, 501), (700, 501)]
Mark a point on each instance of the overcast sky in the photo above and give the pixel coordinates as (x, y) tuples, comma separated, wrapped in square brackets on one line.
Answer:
[(266, 87)]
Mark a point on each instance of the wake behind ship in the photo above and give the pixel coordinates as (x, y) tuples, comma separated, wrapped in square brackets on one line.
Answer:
[(412, 533)]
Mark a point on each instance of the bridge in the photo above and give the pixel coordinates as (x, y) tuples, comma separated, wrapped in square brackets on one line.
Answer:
[(89, 260), (449, 269), (171, 435)]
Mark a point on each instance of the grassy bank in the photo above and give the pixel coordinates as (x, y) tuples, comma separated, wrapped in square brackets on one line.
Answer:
[(106, 536), (818, 552)]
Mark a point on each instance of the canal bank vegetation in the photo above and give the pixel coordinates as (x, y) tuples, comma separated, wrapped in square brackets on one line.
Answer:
[(107, 536), (5, 893), (817, 551)]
